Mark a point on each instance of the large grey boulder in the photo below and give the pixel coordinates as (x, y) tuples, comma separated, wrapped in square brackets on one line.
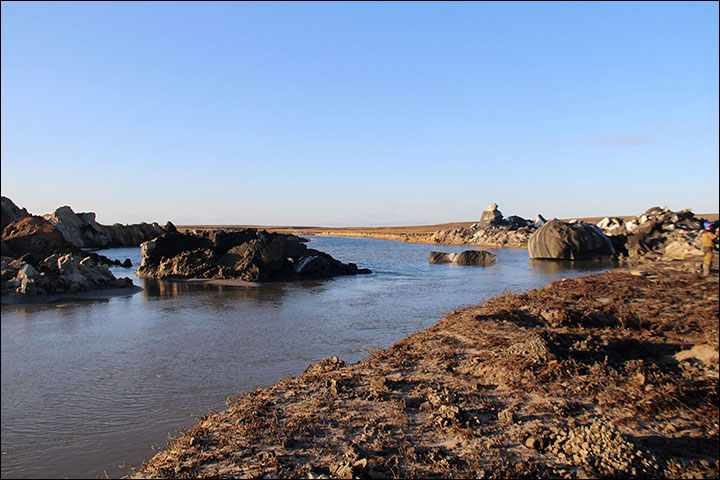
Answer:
[(557, 240), (468, 257)]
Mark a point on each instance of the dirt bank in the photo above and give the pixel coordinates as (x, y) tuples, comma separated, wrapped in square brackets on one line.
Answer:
[(611, 374)]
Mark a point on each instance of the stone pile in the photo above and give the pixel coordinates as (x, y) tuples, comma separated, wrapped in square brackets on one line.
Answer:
[(612, 226), (56, 274), (657, 233), (493, 230)]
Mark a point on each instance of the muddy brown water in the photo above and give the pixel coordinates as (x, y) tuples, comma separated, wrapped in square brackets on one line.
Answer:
[(91, 388)]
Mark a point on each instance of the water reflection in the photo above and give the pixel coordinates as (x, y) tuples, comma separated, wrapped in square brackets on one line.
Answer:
[(552, 267), (212, 293)]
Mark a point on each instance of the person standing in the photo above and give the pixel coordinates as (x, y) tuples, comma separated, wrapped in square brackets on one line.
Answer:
[(707, 239)]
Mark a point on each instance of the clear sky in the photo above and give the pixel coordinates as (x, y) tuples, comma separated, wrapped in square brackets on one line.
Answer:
[(359, 113)]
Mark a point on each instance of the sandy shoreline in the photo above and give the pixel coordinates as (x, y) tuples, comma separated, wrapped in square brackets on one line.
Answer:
[(609, 374)]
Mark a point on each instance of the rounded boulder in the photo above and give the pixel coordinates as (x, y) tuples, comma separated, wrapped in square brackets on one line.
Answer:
[(557, 240)]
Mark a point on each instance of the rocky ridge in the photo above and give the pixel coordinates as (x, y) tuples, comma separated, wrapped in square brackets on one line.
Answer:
[(44, 255), (83, 231), (493, 231), (657, 234)]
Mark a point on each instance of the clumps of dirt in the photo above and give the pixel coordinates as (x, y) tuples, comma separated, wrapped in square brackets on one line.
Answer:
[(378, 389), (534, 348), (613, 374), (596, 449), (324, 366)]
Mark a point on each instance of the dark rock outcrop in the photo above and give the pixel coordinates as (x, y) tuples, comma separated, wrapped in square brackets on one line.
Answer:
[(130, 235), (514, 222), (468, 257), (246, 254), (558, 240), (103, 260), (223, 240), (169, 245), (10, 212)]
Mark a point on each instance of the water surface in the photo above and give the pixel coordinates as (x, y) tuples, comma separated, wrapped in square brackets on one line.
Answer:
[(91, 388)]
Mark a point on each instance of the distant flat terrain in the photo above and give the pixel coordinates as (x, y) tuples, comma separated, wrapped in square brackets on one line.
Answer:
[(394, 230)]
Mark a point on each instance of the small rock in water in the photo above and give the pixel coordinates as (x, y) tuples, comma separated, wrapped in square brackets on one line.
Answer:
[(468, 257)]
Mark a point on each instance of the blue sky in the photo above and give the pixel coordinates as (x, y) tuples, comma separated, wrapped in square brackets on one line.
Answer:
[(359, 113)]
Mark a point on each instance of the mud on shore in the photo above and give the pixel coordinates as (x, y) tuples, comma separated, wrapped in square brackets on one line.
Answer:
[(610, 374)]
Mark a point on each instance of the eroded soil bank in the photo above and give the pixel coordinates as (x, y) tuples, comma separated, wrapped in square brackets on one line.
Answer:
[(610, 374)]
